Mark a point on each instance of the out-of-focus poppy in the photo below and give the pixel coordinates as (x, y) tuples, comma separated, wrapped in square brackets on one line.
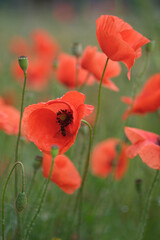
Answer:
[(38, 73), (118, 40), (19, 46), (148, 100), (66, 72), (94, 62), (64, 12), (64, 174), (55, 122), (146, 144), (44, 45), (9, 118), (105, 159)]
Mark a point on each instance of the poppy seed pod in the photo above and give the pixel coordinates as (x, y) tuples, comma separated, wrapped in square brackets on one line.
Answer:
[(23, 63), (21, 201), (54, 151)]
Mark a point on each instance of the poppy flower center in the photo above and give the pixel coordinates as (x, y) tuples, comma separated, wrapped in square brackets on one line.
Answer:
[(64, 118)]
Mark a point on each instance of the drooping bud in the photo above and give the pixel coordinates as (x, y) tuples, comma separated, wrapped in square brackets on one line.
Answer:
[(54, 150), (77, 49), (21, 201), (150, 46), (23, 63), (37, 162)]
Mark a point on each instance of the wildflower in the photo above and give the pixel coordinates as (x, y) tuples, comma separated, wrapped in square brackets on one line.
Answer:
[(106, 159), (118, 40), (44, 45), (148, 100), (64, 173), (9, 118), (66, 72), (55, 122), (146, 144), (94, 62)]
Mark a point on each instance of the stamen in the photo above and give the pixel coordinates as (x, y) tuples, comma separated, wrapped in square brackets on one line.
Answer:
[(64, 118)]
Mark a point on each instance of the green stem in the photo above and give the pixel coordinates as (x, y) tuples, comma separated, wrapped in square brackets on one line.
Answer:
[(19, 133), (80, 195), (99, 98), (41, 202), (4, 191), (147, 207)]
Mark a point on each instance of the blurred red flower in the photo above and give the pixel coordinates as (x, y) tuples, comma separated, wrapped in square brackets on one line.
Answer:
[(38, 73), (9, 118), (146, 144), (64, 174), (55, 122), (94, 62), (66, 72), (19, 46), (118, 40), (105, 159), (44, 45), (148, 100)]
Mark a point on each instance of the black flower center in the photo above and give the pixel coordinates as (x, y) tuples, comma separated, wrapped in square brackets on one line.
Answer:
[(64, 118)]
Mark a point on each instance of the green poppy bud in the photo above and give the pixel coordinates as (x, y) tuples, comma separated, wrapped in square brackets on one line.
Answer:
[(54, 151), (21, 201), (150, 46), (37, 162), (23, 63), (77, 49)]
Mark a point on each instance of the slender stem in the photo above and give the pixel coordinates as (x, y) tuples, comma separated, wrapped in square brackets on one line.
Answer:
[(41, 202), (145, 213), (4, 191), (19, 133), (99, 98), (80, 194)]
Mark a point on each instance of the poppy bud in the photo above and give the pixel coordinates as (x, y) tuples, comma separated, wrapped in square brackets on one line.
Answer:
[(150, 46), (54, 150), (77, 49), (138, 184), (21, 201), (37, 162), (23, 63)]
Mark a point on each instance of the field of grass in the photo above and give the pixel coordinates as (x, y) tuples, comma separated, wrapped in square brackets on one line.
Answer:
[(111, 209)]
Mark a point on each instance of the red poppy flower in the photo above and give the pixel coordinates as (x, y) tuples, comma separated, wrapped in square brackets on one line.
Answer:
[(38, 73), (94, 62), (66, 72), (9, 118), (55, 122), (44, 45), (19, 46), (104, 159), (146, 144), (148, 100), (118, 40), (64, 174)]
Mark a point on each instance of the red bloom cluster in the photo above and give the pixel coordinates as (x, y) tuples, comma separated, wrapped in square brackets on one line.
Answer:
[(118, 40), (41, 54), (148, 100), (94, 62), (146, 144), (105, 159), (67, 70)]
